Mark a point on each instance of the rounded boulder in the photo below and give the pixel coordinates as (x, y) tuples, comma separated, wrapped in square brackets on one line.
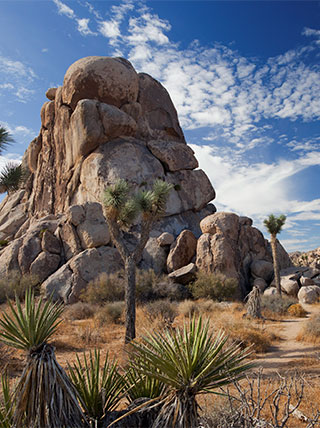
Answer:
[(109, 80)]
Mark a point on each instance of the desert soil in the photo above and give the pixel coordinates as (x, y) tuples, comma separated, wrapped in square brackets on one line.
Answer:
[(289, 353)]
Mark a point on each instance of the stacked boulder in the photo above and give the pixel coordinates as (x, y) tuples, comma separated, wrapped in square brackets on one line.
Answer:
[(106, 123)]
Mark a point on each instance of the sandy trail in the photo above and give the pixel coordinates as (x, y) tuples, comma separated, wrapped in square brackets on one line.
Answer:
[(287, 353)]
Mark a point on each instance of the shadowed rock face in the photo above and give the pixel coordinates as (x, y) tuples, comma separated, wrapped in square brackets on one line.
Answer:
[(105, 123)]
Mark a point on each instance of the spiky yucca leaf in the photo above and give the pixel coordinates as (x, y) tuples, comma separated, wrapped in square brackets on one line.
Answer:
[(32, 326), (115, 196), (99, 386), (189, 362), (7, 404), (128, 213), (5, 139), (139, 385), (144, 200), (11, 177), (160, 191), (274, 224)]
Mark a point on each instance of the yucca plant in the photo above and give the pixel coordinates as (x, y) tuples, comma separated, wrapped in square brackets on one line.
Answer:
[(44, 395), (138, 385), (189, 362), (7, 404), (100, 386), (11, 177)]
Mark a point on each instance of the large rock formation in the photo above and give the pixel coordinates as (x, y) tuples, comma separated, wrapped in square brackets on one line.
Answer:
[(105, 123)]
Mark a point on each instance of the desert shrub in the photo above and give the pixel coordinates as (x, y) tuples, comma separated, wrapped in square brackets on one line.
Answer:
[(107, 288), (164, 309), (88, 335), (150, 286), (213, 286), (297, 310), (276, 305), (311, 329), (145, 284), (79, 311), (15, 284), (111, 312), (188, 308)]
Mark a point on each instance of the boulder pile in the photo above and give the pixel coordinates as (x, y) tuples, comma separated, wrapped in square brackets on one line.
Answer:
[(106, 123)]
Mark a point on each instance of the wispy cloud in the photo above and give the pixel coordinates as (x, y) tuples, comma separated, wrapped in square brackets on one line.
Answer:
[(18, 78), (83, 27), (63, 9), (236, 104)]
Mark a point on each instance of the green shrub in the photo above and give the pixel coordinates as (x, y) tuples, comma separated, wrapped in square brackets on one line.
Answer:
[(213, 286), (79, 311), (277, 305), (3, 243), (110, 313), (107, 288), (15, 284)]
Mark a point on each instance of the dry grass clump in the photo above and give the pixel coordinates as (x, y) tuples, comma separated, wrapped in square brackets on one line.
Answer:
[(248, 334), (311, 330), (274, 306), (188, 308), (110, 313), (297, 310), (214, 286), (15, 284), (79, 311)]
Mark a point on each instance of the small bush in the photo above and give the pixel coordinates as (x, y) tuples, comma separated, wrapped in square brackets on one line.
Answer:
[(213, 286), (89, 336), (107, 288), (188, 308), (164, 309), (276, 305), (150, 286), (110, 313), (145, 284), (16, 284), (79, 311), (311, 330), (297, 310)]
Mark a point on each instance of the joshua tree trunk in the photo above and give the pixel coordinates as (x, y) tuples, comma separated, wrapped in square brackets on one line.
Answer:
[(130, 298), (273, 242)]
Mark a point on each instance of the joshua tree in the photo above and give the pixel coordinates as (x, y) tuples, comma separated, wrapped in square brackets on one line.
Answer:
[(11, 177), (121, 211), (44, 395), (5, 139), (274, 226)]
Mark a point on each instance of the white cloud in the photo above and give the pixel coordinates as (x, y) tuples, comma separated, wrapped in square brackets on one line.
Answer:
[(44, 50), (63, 9), (19, 132), (109, 29), (311, 32), (83, 27)]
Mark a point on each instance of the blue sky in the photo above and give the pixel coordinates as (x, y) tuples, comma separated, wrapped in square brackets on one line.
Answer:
[(244, 77)]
